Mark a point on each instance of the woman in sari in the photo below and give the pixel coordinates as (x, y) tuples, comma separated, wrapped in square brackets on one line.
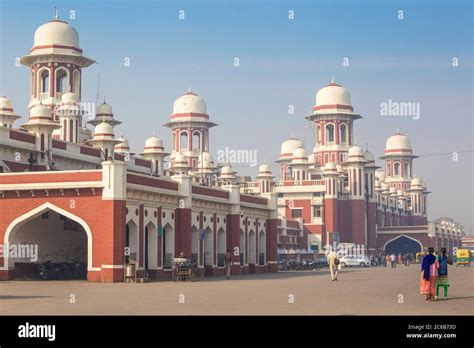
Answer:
[(429, 272)]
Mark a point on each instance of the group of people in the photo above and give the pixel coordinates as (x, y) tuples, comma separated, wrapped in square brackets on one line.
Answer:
[(434, 274), (391, 260)]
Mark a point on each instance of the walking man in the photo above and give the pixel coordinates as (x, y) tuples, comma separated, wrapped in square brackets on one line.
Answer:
[(227, 263), (333, 262)]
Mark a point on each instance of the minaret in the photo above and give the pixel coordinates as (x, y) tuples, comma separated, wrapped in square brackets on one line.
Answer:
[(286, 156), (265, 178), (104, 139), (190, 124), (7, 115), (418, 198), (398, 160), (41, 124), (333, 119), (70, 117), (331, 207), (227, 176), (56, 62), (356, 176), (155, 152)]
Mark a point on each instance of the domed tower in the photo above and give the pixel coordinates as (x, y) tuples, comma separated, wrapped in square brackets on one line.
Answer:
[(105, 114), (190, 124), (265, 178), (299, 165), (7, 115), (179, 165), (286, 156), (123, 146), (155, 152), (418, 201), (70, 117), (398, 161), (104, 139), (333, 118), (227, 175), (41, 124), (56, 63)]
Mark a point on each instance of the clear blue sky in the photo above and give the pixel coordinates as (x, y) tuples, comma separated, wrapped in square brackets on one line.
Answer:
[(282, 62)]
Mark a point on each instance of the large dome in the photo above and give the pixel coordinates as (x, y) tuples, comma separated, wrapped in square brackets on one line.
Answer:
[(398, 143), (189, 103), (333, 98), (56, 32)]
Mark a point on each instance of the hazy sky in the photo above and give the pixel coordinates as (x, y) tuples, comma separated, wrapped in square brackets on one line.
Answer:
[(282, 62)]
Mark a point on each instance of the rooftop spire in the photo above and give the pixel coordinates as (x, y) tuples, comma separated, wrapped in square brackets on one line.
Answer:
[(332, 79), (56, 13)]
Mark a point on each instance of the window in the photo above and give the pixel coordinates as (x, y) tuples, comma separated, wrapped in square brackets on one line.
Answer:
[(388, 169), (61, 80), (396, 169), (343, 133), (317, 212), (406, 171), (330, 133), (318, 134), (183, 141), (44, 81), (196, 140), (296, 213)]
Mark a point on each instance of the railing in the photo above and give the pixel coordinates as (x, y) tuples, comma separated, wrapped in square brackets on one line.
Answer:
[(250, 184), (43, 95), (301, 183)]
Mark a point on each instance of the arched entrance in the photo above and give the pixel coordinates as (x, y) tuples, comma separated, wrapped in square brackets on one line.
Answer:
[(207, 247), (242, 247), (48, 243), (404, 245), (151, 247), (252, 248), (168, 246), (131, 243), (194, 245)]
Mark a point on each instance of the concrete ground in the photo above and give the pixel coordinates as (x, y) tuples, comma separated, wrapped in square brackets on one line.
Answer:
[(358, 291)]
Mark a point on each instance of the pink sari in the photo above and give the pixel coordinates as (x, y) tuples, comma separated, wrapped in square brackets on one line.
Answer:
[(428, 287)]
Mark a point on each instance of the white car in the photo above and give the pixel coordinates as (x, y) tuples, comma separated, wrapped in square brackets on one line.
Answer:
[(352, 260)]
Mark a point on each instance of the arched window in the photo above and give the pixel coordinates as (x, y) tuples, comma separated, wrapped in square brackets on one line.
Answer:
[(32, 83), (77, 82), (330, 133), (406, 171), (388, 169), (342, 133), (318, 134), (196, 140), (183, 141), (61, 81), (288, 173), (396, 169), (44, 78)]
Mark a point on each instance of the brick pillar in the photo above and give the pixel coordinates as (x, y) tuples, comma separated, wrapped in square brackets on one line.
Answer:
[(371, 222), (182, 222), (271, 234), (233, 240)]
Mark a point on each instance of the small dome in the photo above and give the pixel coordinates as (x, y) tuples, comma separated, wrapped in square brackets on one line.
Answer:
[(416, 182), (264, 168), (340, 168), (189, 103), (300, 153), (331, 168), (40, 111), (355, 154), (153, 142), (69, 98), (104, 109), (398, 143), (333, 98), (104, 129), (207, 157), (226, 170), (289, 146), (380, 175), (122, 146), (56, 32), (369, 156), (6, 105), (180, 160)]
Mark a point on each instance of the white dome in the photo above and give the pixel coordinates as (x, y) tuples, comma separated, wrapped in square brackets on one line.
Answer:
[(369, 156), (6, 105), (330, 167), (333, 98), (300, 153), (355, 154), (226, 170), (69, 98), (264, 168), (416, 182), (207, 157), (153, 142), (398, 142), (56, 32), (180, 160), (189, 103), (123, 145), (40, 110), (104, 109), (104, 129), (289, 146)]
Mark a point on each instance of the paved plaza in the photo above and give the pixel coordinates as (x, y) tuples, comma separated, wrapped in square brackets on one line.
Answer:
[(358, 291)]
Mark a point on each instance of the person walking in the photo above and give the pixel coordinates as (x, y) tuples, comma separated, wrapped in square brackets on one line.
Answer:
[(429, 273), (387, 260), (393, 260), (227, 263), (333, 262), (442, 279)]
